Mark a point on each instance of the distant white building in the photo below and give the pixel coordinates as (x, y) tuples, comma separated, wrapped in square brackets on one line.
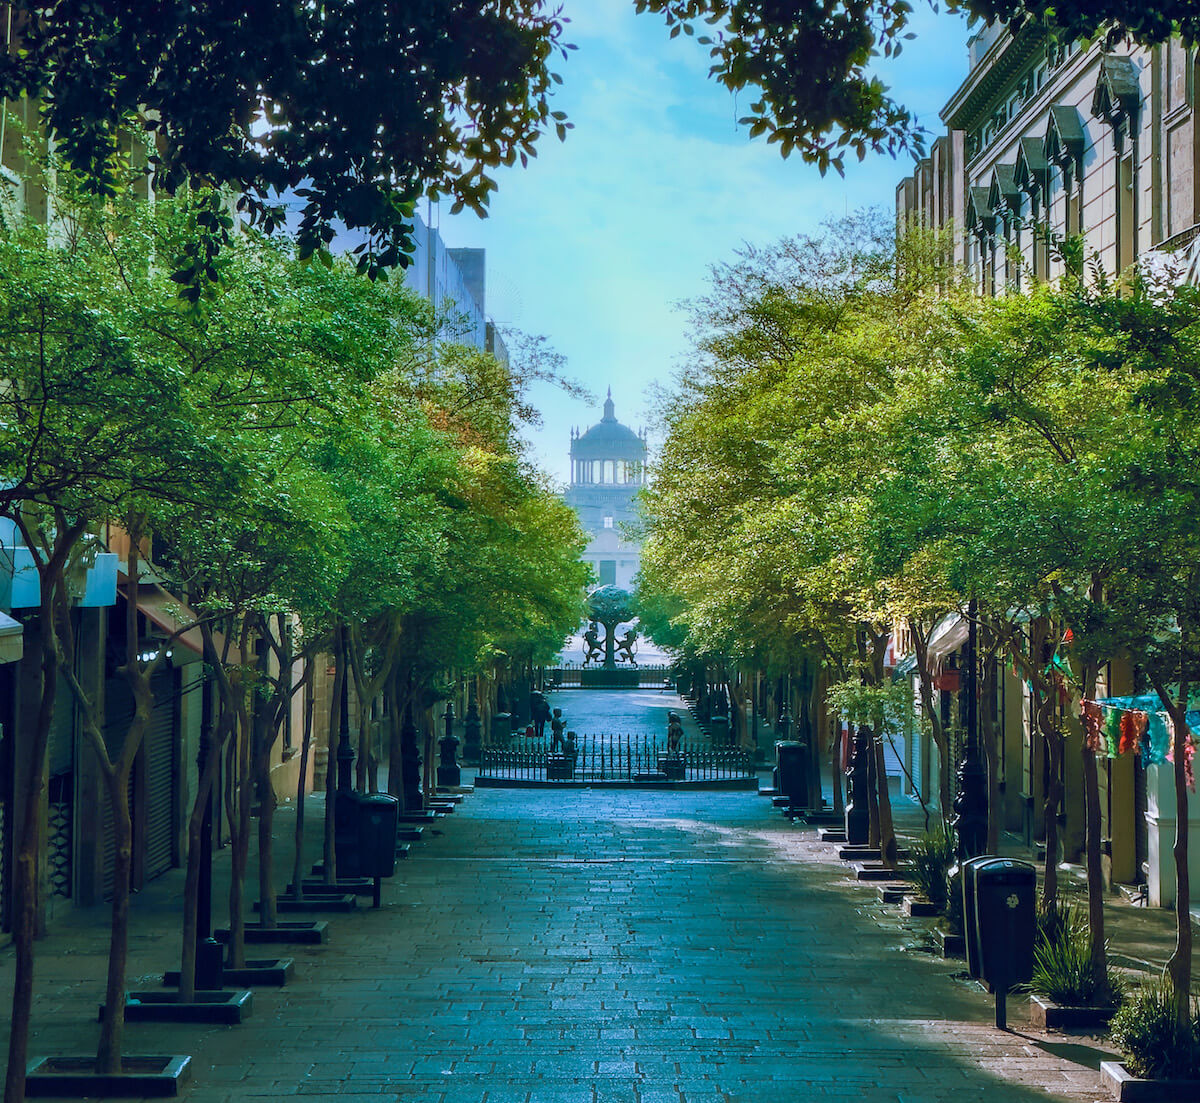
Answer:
[(608, 468)]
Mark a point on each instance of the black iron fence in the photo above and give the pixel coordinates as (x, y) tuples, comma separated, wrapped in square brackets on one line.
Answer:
[(617, 758), (596, 677)]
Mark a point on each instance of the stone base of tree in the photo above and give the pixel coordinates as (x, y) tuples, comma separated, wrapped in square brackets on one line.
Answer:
[(284, 932), (356, 886), (1056, 1016), (832, 835), (225, 1006), (877, 871), (894, 892), (949, 943), (77, 1078), (316, 902), (917, 907), (1129, 1089), (259, 972), (818, 816), (854, 853)]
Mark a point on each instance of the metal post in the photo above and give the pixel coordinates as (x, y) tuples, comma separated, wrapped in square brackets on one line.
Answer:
[(448, 774), (472, 726), (345, 753), (970, 800)]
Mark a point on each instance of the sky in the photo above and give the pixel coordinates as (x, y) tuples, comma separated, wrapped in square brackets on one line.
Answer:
[(596, 243)]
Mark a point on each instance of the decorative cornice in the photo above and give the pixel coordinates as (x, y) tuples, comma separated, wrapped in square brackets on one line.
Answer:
[(977, 95)]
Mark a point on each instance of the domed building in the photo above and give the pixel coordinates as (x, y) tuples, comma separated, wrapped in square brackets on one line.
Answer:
[(608, 468)]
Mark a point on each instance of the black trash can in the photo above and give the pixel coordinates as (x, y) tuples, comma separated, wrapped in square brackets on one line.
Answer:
[(365, 826), (378, 820), (791, 760), (1006, 921), (970, 926)]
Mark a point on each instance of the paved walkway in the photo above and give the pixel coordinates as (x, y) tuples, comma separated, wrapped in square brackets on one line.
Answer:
[(589, 946), (636, 713)]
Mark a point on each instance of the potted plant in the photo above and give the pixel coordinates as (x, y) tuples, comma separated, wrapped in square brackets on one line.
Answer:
[(1068, 989), (1160, 1047)]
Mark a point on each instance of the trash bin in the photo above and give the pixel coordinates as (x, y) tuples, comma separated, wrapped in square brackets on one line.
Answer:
[(792, 763), (970, 926), (1006, 921), (365, 827), (378, 819)]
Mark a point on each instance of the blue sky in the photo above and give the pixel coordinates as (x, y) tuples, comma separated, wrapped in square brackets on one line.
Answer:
[(595, 243)]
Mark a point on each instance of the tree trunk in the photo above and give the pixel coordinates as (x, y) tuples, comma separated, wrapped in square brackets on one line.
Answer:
[(872, 764), (112, 1022), (990, 735), (887, 832), (305, 750), (934, 715), (1053, 743), (836, 765), (1093, 841), (1179, 965), (191, 884), (332, 740)]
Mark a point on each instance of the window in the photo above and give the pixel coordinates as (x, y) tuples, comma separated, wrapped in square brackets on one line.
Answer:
[(608, 522), (608, 572)]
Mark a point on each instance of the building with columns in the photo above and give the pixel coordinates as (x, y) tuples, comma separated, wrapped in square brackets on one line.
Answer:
[(608, 468)]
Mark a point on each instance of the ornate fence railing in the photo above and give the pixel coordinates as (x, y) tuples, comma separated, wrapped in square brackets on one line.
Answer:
[(617, 758), (596, 677)]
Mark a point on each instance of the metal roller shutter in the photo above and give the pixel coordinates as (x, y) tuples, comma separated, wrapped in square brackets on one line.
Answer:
[(160, 749)]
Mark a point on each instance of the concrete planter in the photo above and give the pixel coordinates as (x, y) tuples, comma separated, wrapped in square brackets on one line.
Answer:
[(259, 972), (317, 902), (951, 945), (1056, 1016), (76, 1078), (917, 907), (283, 932), (224, 1006), (1129, 1089)]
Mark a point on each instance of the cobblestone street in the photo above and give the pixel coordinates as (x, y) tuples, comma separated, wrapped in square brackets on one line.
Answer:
[(610, 946)]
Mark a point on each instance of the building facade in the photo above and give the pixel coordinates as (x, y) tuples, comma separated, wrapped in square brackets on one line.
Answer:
[(1044, 142), (608, 468)]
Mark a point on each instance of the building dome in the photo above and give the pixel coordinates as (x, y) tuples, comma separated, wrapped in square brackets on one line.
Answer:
[(608, 469), (609, 440)]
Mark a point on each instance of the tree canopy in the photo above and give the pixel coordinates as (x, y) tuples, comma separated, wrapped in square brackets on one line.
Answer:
[(361, 108)]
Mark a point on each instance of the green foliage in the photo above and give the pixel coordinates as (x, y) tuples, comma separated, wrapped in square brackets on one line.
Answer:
[(888, 707), (610, 605), (932, 855), (1063, 968), (1153, 1045), (367, 106)]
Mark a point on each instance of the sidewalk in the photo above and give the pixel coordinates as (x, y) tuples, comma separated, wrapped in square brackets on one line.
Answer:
[(595, 946), (1140, 938)]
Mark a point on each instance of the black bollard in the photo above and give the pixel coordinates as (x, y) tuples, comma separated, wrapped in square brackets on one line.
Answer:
[(449, 776), (472, 727)]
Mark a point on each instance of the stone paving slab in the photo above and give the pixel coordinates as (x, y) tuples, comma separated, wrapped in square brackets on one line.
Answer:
[(585, 946)]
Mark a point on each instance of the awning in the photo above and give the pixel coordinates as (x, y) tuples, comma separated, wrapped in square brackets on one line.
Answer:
[(948, 636), (905, 668), (171, 614), (12, 639)]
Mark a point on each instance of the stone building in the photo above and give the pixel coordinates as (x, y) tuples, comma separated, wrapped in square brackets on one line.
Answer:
[(608, 468), (1045, 140)]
